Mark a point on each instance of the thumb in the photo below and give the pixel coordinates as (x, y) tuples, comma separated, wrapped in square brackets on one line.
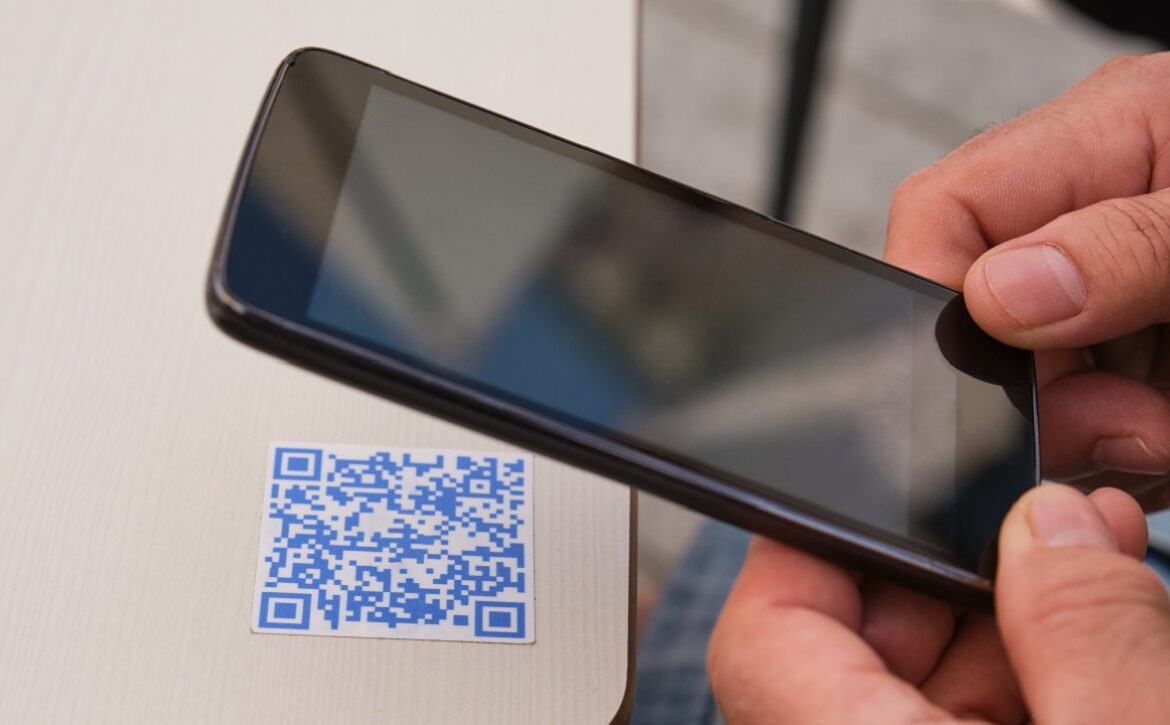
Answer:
[(1087, 628), (1088, 276)]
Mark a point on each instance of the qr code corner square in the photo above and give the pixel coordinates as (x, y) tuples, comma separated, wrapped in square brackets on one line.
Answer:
[(503, 620), (285, 610), (296, 464)]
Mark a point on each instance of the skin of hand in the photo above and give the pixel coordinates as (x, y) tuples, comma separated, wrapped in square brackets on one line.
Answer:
[(1085, 631), (1056, 226)]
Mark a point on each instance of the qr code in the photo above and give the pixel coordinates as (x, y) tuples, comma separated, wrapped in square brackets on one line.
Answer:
[(364, 541)]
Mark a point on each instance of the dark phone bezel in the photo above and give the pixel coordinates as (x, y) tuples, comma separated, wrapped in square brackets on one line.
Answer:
[(717, 496)]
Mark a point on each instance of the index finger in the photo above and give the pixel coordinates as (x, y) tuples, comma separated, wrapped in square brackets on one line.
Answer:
[(1106, 137)]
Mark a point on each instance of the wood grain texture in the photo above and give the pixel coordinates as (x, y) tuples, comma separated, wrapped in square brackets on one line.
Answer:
[(133, 434)]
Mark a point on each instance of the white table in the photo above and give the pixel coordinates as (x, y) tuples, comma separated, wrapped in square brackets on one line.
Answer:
[(133, 434)]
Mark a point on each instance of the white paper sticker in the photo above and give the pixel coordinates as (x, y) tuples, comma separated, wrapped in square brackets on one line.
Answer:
[(369, 541)]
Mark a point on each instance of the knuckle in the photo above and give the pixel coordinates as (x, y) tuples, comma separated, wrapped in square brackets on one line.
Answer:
[(1136, 231), (1121, 64), (911, 187), (729, 676), (716, 653), (730, 666), (715, 663), (925, 188), (1124, 68)]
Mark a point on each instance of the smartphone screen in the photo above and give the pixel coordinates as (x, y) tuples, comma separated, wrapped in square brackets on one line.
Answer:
[(612, 299)]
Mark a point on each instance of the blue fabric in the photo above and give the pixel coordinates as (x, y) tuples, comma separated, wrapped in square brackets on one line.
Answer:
[(671, 685), (1159, 562)]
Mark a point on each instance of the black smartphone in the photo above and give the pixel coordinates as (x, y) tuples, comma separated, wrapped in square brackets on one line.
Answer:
[(408, 243)]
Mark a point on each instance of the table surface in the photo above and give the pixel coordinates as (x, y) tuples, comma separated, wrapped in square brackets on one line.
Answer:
[(133, 434)]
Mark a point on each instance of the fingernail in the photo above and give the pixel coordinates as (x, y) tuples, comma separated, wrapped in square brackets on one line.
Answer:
[(1036, 285), (1128, 455), (1062, 517)]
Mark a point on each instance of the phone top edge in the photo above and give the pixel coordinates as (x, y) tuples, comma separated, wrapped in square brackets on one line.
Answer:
[(295, 55)]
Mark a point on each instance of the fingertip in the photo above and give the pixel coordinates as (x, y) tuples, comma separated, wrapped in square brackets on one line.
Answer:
[(1125, 518), (1100, 422), (1052, 516), (1081, 619), (986, 310)]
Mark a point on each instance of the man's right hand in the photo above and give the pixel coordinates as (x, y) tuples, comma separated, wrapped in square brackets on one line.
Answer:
[(1056, 226)]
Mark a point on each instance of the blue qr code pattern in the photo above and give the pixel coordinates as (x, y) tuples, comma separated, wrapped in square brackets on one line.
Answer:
[(384, 542)]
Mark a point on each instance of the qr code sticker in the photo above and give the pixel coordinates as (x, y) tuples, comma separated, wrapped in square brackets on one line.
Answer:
[(362, 541)]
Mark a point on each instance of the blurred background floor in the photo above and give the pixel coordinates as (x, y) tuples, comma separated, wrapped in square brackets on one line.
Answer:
[(903, 82)]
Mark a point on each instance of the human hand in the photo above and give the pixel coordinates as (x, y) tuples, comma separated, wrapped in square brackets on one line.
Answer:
[(1085, 631), (1057, 228), (1071, 199)]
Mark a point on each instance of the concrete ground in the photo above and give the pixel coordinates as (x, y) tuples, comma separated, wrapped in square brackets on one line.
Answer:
[(905, 81)]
